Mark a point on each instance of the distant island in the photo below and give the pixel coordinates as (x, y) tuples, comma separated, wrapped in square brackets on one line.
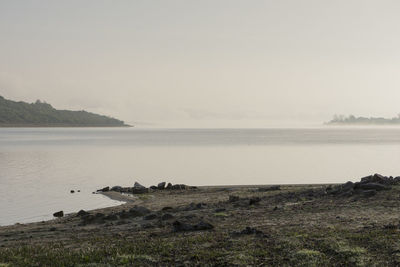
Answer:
[(352, 120), (42, 114)]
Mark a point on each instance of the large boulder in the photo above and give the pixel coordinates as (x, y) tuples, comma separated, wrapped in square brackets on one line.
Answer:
[(138, 186), (117, 188), (371, 186), (138, 211), (58, 214), (161, 185)]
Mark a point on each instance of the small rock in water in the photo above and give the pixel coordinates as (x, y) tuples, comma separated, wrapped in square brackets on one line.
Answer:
[(59, 214), (72, 191)]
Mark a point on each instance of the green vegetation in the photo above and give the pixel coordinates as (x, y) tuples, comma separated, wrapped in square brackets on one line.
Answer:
[(352, 120), (316, 248), (41, 114)]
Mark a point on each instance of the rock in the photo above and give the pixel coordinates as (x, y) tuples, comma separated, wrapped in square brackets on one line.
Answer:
[(254, 200), (233, 198), (150, 217), (269, 188), (111, 217), (348, 186), (179, 187), (58, 214), (53, 229), (275, 209), (138, 186), (371, 186), (82, 213), (72, 191), (138, 211), (117, 188), (169, 186), (220, 210), (249, 231), (167, 217), (153, 187), (182, 227), (124, 215), (79, 191), (368, 193), (105, 189), (167, 208), (161, 185)]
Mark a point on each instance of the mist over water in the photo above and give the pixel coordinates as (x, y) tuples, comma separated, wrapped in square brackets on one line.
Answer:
[(39, 166)]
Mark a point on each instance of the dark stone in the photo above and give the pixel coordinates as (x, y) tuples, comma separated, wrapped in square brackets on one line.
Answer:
[(167, 208), (220, 210), (368, 193), (249, 231), (153, 187), (233, 198), (53, 229), (371, 186), (138, 211), (105, 189), (169, 186), (90, 219), (275, 209), (58, 214), (138, 186), (139, 190), (72, 191), (111, 217), (348, 186), (161, 185), (150, 217), (82, 213), (254, 200), (179, 187), (167, 217), (183, 227), (117, 188), (100, 215), (124, 215), (79, 191)]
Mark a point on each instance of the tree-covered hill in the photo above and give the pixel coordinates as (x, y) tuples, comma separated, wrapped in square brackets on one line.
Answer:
[(40, 114)]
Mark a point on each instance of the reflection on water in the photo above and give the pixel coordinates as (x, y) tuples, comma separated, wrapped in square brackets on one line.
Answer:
[(39, 167)]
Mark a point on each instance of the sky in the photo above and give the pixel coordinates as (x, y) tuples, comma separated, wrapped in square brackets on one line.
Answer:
[(209, 63)]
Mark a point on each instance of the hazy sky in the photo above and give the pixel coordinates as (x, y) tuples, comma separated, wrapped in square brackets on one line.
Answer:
[(204, 63)]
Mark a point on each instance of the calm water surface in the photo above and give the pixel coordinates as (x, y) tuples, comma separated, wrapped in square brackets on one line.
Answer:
[(39, 166)]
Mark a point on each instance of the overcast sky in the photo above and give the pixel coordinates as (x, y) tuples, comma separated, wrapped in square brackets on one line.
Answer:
[(204, 63)]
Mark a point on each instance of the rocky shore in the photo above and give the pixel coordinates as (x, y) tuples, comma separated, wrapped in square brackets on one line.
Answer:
[(350, 224)]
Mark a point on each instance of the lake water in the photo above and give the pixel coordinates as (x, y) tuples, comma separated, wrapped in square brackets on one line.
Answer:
[(39, 166)]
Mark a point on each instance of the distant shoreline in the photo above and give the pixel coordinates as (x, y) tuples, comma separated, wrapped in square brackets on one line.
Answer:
[(61, 126)]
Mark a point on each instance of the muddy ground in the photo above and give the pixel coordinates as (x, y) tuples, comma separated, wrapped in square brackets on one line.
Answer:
[(297, 225)]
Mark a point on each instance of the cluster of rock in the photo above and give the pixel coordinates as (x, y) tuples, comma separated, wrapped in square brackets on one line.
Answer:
[(140, 189), (368, 186)]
